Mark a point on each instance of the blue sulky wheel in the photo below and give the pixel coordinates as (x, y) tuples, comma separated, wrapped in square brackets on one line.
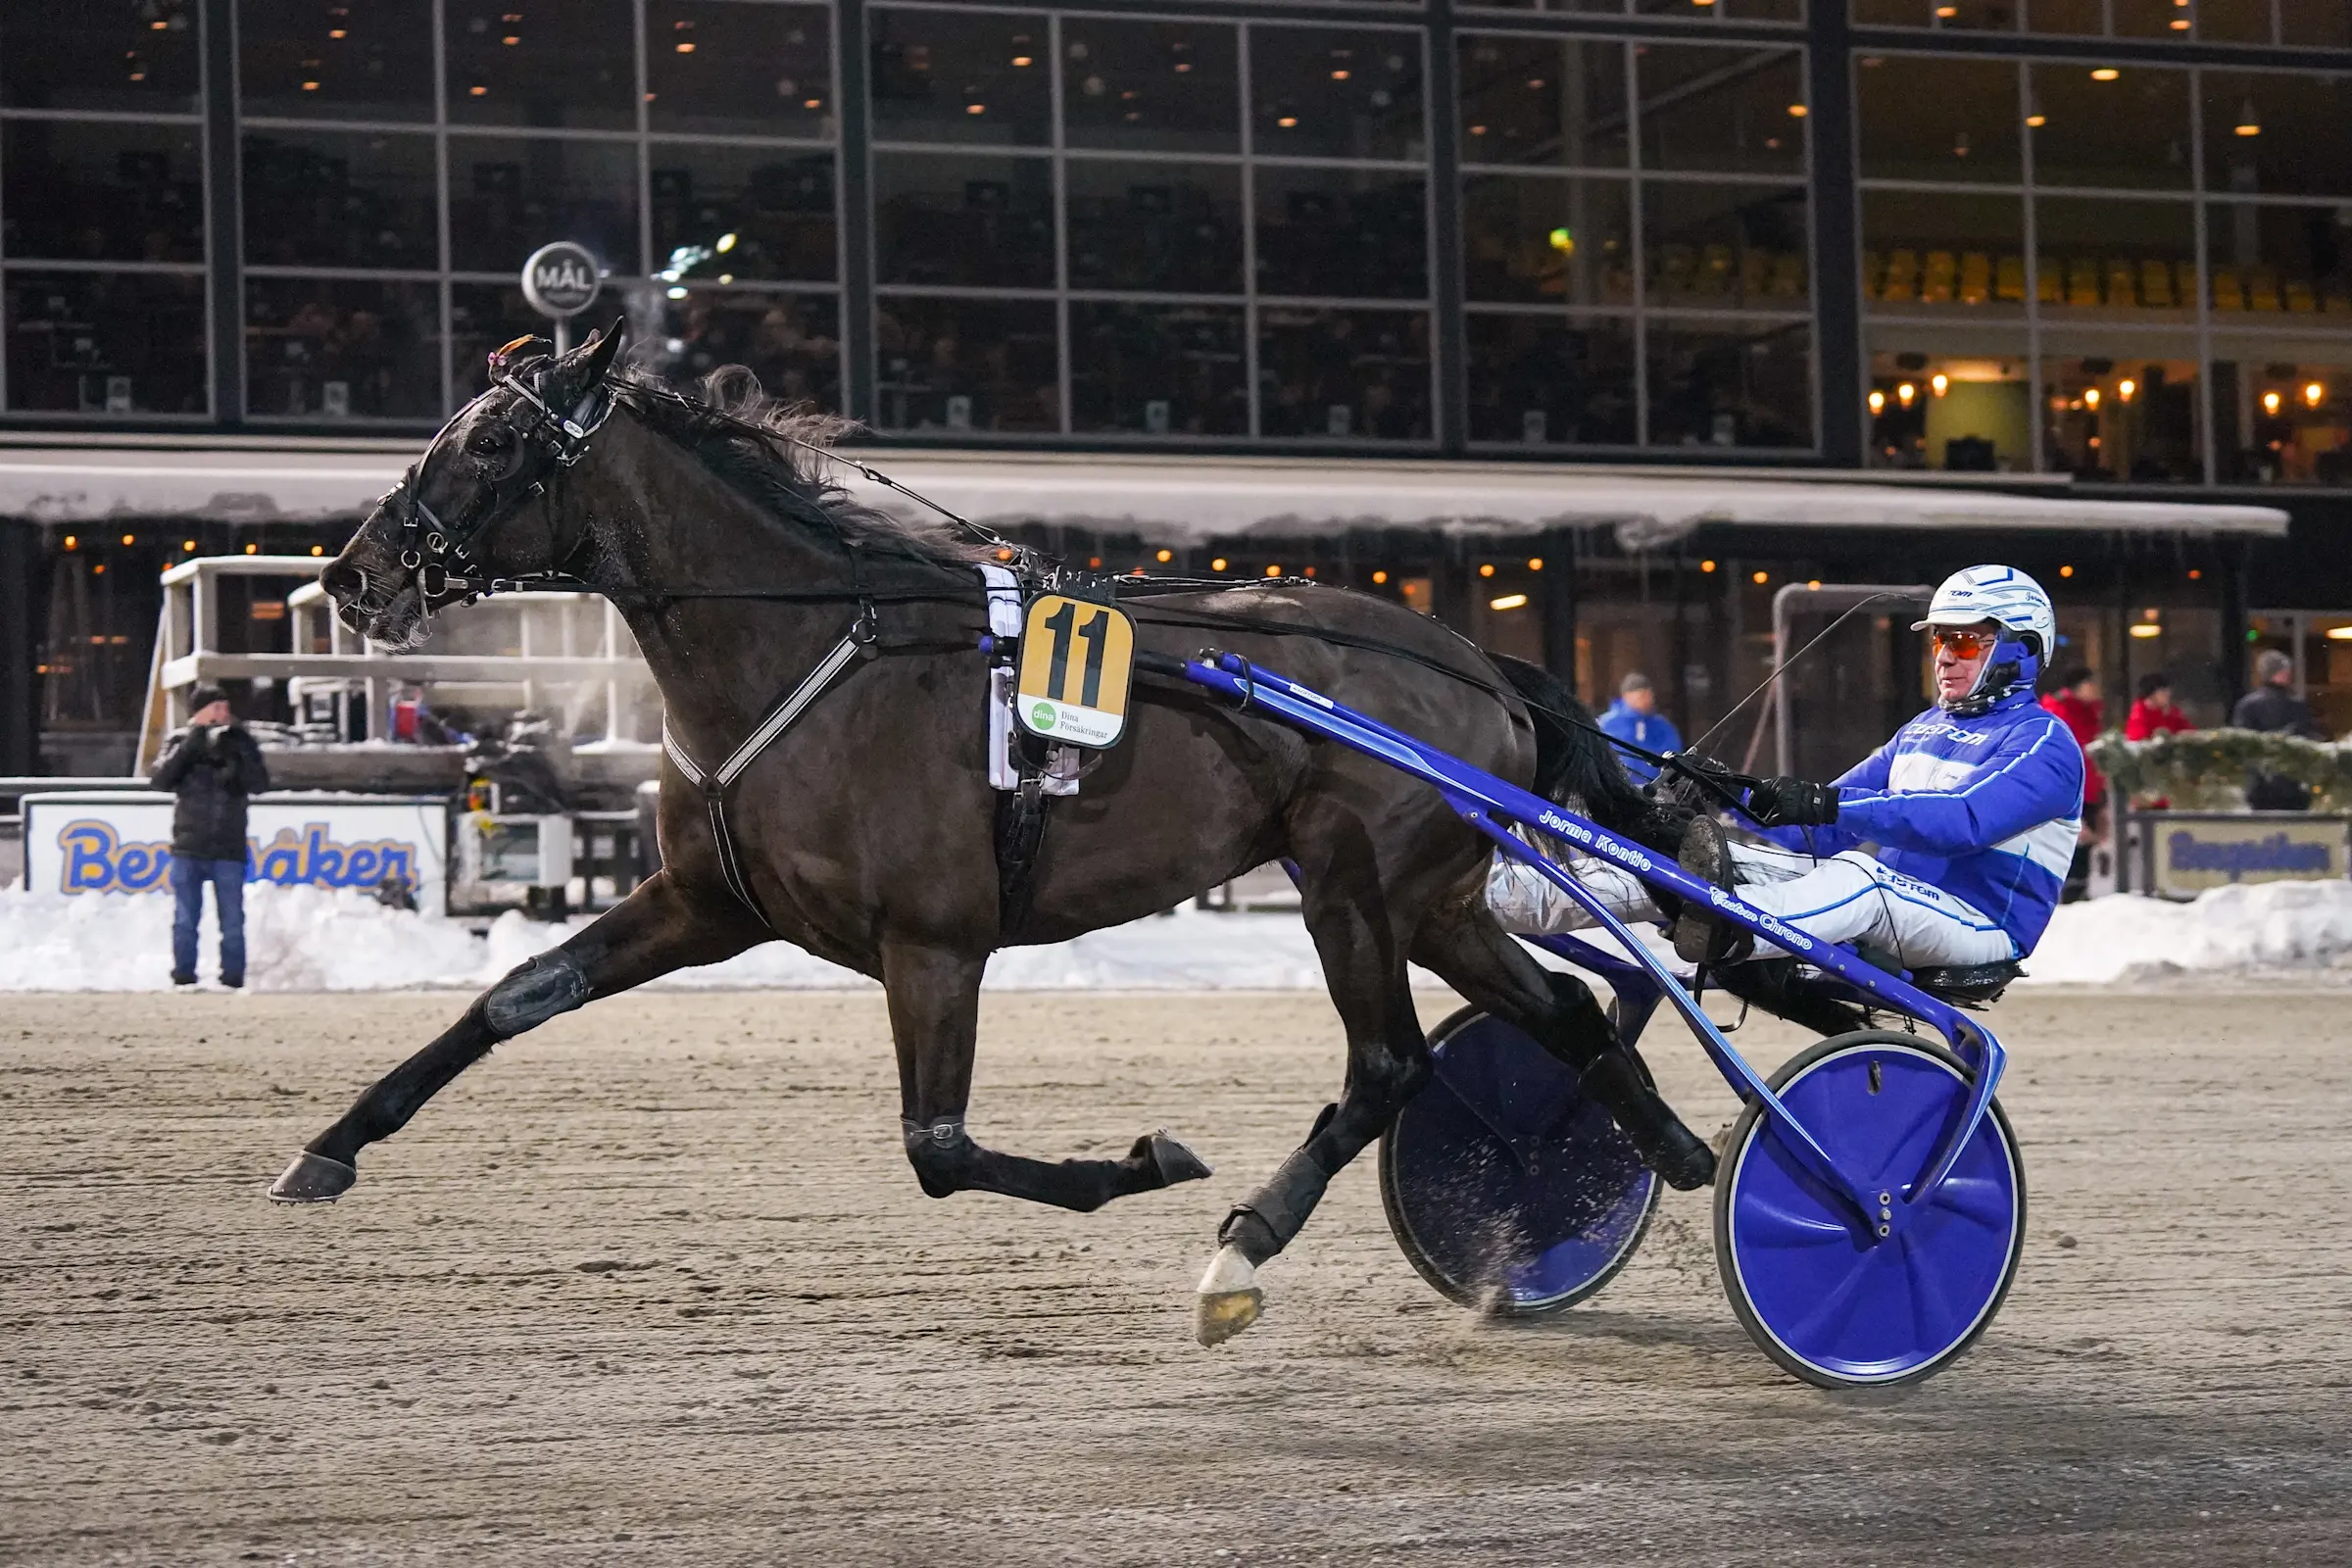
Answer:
[(1506, 1188), (1807, 1280)]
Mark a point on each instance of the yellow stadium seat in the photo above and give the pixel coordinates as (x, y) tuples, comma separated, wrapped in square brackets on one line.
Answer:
[(1788, 275), (2335, 302), (1976, 278), (2156, 285), (1674, 268), (1902, 277), (1874, 274), (1755, 274), (2082, 282), (2122, 282), (2049, 286), (2009, 279), (2300, 298), (1714, 274), (2229, 289), (1941, 280), (2262, 289)]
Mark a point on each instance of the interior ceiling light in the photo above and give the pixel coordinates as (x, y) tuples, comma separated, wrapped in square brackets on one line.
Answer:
[(2248, 122), (2105, 73)]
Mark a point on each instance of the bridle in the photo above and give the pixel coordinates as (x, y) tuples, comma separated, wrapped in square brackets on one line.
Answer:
[(439, 552)]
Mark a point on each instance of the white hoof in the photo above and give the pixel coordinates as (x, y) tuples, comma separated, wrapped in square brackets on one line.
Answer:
[(1229, 1300)]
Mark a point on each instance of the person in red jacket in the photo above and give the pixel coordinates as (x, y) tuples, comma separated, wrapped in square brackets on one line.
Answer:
[(2076, 702), (2154, 714)]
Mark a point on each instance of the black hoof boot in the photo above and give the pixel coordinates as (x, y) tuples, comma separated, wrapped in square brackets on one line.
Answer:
[(1698, 936), (1171, 1157), (1665, 1145), (313, 1179)]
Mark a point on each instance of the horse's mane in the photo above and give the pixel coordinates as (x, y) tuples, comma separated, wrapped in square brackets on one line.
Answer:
[(745, 437)]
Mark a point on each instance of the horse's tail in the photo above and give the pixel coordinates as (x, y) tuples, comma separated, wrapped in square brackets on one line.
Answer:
[(1576, 767)]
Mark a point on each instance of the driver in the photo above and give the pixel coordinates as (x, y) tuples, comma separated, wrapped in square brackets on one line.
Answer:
[(1947, 846)]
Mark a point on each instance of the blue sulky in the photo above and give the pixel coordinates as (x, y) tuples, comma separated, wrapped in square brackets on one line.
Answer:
[(1870, 1201)]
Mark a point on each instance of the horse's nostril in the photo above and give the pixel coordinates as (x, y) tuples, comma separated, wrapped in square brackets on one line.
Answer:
[(342, 580)]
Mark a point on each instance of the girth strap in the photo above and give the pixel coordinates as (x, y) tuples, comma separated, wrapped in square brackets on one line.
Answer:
[(718, 784)]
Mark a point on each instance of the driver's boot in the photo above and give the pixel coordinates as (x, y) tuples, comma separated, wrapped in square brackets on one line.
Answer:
[(1619, 1080), (1700, 937)]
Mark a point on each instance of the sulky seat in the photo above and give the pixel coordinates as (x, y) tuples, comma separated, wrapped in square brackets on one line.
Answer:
[(1966, 985)]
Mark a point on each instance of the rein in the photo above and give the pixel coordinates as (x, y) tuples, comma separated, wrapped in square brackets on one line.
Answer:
[(434, 549)]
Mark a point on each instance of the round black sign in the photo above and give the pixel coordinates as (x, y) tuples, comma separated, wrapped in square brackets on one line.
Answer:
[(560, 280)]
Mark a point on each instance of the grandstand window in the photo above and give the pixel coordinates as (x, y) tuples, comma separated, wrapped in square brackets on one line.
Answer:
[(341, 198), (118, 58), (107, 190), (301, 60), (1150, 86), (751, 69), (106, 343), (962, 77), (1159, 228), (1159, 369), (573, 69), (961, 365), (728, 212), (336, 349), (2131, 131), (1553, 379), (1928, 118)]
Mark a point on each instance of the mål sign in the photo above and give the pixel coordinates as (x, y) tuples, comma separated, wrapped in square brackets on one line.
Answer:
[(561, 280)]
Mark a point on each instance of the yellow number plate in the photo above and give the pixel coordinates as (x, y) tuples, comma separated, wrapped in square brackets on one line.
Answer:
[(1077, 659)]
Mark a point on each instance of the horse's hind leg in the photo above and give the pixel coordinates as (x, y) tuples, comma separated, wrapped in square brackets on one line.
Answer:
[(1462, 942), (1348, 916), (935, 1019), (657, 928)]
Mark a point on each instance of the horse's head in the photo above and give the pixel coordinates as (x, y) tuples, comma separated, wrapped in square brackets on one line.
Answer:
[(464, 516)]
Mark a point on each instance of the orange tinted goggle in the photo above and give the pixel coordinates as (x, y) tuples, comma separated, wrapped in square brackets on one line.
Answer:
[(1961, 643)]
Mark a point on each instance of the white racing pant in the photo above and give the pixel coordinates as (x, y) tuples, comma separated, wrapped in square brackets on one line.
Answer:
[(1849, 898)]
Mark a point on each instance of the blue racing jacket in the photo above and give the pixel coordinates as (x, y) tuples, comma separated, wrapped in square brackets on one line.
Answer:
[(1986, 809)]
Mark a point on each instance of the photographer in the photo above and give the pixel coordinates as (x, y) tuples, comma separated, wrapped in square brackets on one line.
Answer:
[(212, 766)]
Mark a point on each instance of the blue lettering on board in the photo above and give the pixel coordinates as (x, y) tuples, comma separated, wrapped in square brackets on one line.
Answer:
[(2277, 856), (97, 861)]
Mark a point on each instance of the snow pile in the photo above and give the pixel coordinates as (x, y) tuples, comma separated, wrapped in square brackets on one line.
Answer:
[(2266, 925), (316, 939), (301, 938), (297, 938)]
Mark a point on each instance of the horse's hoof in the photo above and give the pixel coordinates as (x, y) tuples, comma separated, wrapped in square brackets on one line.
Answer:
[(1175, 1159), (313, 1179), (1229, 1300)]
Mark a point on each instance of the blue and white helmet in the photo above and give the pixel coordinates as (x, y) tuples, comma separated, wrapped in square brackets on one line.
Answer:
[(2019, 605)]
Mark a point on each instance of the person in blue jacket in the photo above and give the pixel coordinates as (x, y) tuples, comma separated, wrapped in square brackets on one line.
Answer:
[(1634, 717), (1947, 846)]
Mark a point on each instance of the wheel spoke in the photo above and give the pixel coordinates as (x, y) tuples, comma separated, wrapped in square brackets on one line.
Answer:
[(1767, 1223), (1977, 1199), (1931, 1311), (1830, 1310)]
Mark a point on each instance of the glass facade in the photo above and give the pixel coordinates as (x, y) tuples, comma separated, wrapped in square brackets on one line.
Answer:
[(2131, 274), (1552, 226)]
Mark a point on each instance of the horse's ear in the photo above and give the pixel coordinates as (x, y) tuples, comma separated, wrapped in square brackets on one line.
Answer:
[(602, 352)]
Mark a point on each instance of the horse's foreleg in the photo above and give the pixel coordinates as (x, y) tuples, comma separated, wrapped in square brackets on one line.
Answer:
[(1470, 952), (658, 928), (1388, 1062), (935, 1019)]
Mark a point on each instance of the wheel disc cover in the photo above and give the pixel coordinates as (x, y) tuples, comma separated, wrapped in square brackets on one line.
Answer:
[(1852, 1307), (1513, 1186)]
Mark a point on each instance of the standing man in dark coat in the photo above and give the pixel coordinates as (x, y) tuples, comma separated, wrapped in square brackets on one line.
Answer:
[(2273, 709), (212, 766)]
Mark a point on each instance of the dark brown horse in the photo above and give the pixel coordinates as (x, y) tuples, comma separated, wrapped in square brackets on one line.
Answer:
[(866, 833)]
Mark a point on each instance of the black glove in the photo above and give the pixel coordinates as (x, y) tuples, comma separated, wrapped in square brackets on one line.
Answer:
[(1793, 802)]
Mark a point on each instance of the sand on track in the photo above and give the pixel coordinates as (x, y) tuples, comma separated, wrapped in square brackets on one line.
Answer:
[(655, 1285)]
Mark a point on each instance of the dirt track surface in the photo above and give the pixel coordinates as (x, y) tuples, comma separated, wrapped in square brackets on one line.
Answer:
[(655, 1285)]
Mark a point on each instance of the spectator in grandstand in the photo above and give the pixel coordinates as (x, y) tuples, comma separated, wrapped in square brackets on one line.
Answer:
[(2155, 712), (2077, 704), (2273, 709), (212, 766), (1634, 718)]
